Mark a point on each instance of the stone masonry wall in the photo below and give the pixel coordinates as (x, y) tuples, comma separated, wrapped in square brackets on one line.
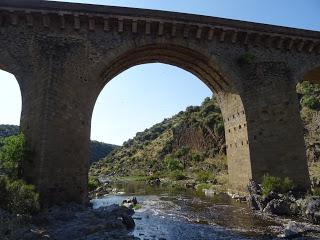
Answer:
[(63, 54)]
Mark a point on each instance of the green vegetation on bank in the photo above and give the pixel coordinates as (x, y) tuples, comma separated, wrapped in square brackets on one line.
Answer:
[(16, 196), (276, 184), (93, 183), (11, 155)]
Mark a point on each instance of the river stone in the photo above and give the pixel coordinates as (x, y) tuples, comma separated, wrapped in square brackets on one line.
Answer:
[(312, 209), (292, 230), (253, 187), (272, 195), (128, 221), (154, 182), (278, 207), (256, 202)]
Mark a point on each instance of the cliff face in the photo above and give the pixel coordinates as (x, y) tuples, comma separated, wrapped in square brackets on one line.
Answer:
[(198, 139)]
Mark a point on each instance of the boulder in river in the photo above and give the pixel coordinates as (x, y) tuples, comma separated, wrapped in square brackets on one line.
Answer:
[(278, 207), (256, 202), (128, 221), (312, 209), (154, 182), (70, 221), (190, 184)]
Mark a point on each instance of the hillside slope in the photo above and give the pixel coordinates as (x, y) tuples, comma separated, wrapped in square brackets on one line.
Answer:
[(179, 143), (309, 95), (193, 140)]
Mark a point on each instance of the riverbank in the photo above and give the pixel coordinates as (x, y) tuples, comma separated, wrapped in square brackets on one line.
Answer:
[(292, 205), (104, 185), (70, 221), (184, 213)]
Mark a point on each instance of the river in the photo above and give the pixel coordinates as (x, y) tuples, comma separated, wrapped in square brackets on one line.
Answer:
[(186, 214)]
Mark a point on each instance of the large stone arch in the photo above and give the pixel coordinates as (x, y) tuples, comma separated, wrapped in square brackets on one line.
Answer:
[(208, 71), (64, 53)]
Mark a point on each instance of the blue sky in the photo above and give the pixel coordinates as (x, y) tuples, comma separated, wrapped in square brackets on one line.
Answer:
[(145, 94)]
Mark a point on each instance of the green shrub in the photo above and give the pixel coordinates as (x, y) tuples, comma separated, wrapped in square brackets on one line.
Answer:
[(287, 185), (310, 102), (18, 197), (316, 191), (201, 186), (23, 198), (178, 175), (181, 152), (204, 176), (308, 88), (173, 164), (197, 157), (93, 183), (219, 128), (272, 183), (12, 154)]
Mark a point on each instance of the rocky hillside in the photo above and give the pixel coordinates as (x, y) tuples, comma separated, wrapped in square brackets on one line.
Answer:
[(98, 150), (309, 95), (176, 144), (197, 135)]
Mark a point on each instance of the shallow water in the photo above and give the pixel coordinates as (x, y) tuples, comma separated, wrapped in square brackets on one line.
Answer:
[(185, 214)]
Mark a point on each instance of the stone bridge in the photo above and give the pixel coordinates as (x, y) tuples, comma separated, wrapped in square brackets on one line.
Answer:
[(63, 54)]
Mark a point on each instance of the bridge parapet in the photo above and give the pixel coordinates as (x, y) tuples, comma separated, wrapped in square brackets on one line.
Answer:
[(160, 23)]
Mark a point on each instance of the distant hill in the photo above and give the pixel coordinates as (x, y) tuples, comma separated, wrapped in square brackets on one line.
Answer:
[(8, 130), (98, 150)]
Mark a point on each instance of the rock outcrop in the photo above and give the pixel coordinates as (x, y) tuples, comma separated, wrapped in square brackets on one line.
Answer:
[(69, 222)]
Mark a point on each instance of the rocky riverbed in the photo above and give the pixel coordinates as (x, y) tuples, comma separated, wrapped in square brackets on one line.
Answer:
[(161, 213), (70, 222), (170, 213)]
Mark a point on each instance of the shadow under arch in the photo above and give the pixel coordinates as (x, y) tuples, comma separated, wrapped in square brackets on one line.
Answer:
[(207, 71)]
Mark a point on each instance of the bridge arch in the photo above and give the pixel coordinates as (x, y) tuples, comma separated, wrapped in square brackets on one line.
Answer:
[(209, 72), (70, 57), (194, 62)]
